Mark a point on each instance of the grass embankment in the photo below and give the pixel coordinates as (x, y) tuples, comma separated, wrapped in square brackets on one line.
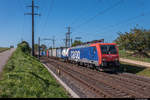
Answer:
[(128, 55), (3, 49), (25, 77), (135, 69)]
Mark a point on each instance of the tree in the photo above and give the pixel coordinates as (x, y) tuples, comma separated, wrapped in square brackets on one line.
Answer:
[(137, 40), (43, 46), (77, 42), (24, 46), (36, 46)]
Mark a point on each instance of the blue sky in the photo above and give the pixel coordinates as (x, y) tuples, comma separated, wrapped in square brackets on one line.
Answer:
[(89, 19)]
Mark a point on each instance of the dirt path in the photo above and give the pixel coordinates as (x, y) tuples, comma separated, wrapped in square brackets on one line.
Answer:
[(4, 56), (144, 64)]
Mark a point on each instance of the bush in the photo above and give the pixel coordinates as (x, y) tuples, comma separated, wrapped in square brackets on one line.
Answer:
[(24, 46)]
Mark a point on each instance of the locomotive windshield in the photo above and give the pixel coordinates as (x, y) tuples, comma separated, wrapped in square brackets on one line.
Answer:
[(108, 49)]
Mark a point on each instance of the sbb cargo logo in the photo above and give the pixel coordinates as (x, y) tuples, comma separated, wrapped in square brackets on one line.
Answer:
[(75, 54)]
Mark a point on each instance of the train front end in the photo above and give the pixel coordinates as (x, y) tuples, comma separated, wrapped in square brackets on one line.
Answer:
[(109, 55)]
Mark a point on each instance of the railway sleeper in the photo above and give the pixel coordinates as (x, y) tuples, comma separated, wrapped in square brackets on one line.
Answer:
[(138, 95), (78, 80), (141, 91), (101, 88), (130, 91)]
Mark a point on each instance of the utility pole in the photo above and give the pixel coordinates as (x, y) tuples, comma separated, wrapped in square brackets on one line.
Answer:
[(53, 42), (33, 6), (32, 27), (71, 41), (39, 47), (68, 40)]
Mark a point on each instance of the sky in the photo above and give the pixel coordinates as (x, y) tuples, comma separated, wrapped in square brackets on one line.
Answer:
[(89, 19)]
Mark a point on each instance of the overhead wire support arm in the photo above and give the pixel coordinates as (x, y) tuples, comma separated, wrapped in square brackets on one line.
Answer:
[(53, 40), (34, 6), (31, 14)]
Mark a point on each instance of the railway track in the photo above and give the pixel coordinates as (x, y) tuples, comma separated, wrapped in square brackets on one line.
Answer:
[(104, 84), (130, 80), (82, 82)]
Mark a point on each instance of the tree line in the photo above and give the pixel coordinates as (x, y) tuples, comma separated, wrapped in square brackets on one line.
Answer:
[(137, 40)]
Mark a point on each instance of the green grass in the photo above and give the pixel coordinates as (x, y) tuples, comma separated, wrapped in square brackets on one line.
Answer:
[(124, 54), (145, 72), (135, 69), (3, 49), (25, 77)]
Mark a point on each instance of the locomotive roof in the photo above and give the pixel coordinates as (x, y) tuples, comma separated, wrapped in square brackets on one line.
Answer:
[(86, 45), (93, 44)]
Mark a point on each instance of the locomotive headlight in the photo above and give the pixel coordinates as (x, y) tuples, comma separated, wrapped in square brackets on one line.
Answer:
[(103, 59), (116, 59)]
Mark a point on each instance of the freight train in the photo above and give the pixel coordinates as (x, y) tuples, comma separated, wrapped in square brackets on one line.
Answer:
[(97, 55)]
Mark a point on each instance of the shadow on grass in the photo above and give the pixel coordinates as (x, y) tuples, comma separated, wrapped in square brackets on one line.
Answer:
[(131, 68), (17, 76), (128, 68), (47, 83)]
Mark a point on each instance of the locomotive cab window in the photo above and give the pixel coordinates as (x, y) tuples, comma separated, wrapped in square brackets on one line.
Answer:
[(108, 49), (92, 50)]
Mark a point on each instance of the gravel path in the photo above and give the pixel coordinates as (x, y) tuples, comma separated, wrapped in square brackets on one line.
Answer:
[(4, 56), (144, 64)]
